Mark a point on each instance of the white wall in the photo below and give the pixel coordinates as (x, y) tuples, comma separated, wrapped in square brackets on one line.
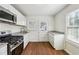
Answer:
[(60, 25), (60, 18), (35, 33), (48, 19)]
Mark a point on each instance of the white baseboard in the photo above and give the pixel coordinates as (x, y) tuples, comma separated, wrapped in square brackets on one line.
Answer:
[(26, 45), (38, 41), (68, 52)]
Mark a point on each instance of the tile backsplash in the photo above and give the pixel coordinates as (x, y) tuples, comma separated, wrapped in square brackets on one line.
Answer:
[(9, 27)]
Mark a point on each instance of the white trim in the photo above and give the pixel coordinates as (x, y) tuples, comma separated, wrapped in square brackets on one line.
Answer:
[(6, 20), (26, 45), (68, 51), (65, 30), (73, 42)]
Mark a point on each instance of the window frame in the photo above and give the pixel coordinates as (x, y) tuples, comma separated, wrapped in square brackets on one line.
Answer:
[(68, 26)]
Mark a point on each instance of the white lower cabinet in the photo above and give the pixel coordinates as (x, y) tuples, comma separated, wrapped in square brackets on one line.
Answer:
[(3, 49), (33, 36), (56, 40), (51, 40), (42, 36), (26, 39)]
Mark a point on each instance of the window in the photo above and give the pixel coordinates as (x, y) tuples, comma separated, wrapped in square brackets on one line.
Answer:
[(73, 25)]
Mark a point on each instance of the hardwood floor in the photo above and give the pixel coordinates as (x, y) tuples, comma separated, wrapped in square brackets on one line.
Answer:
[(41, 48)]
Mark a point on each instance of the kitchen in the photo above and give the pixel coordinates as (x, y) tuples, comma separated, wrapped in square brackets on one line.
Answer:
[(26, 29)]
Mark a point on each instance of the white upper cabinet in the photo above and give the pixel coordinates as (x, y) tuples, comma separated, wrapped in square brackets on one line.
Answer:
[(21, 20)]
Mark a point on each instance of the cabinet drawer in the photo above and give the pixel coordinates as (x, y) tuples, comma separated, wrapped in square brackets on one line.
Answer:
[(18, 50)]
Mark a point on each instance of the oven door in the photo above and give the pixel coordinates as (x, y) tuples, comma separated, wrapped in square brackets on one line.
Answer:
[(18, 50)]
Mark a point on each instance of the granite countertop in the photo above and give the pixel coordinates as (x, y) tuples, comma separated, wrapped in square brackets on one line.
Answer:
[(20, 33), (3, 44), (56, 32)]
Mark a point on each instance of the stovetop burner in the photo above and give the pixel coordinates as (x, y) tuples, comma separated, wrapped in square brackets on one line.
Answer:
[(11, 40)]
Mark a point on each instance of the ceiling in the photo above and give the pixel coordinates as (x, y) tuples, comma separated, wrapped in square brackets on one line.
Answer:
[(39, 9)]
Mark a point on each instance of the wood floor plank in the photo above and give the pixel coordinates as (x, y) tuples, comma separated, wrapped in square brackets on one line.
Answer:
[(41, 48)]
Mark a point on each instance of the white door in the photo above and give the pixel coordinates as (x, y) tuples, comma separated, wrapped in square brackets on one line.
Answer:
[(38, 30), (33, 29), (43, 30), (43, 36)]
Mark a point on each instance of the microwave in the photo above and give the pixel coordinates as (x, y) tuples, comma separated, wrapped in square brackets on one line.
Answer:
[(4, 16)]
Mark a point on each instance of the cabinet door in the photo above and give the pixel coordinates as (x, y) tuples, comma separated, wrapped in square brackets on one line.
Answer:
[(59, 41), (18, 50), (33, 26), (33, 36), (26, 39), (43, 36), (3, 50), (21, 20), (43, 30), (51, 40)]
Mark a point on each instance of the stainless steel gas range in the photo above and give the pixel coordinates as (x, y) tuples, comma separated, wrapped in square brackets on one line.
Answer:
[(15, 43)]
